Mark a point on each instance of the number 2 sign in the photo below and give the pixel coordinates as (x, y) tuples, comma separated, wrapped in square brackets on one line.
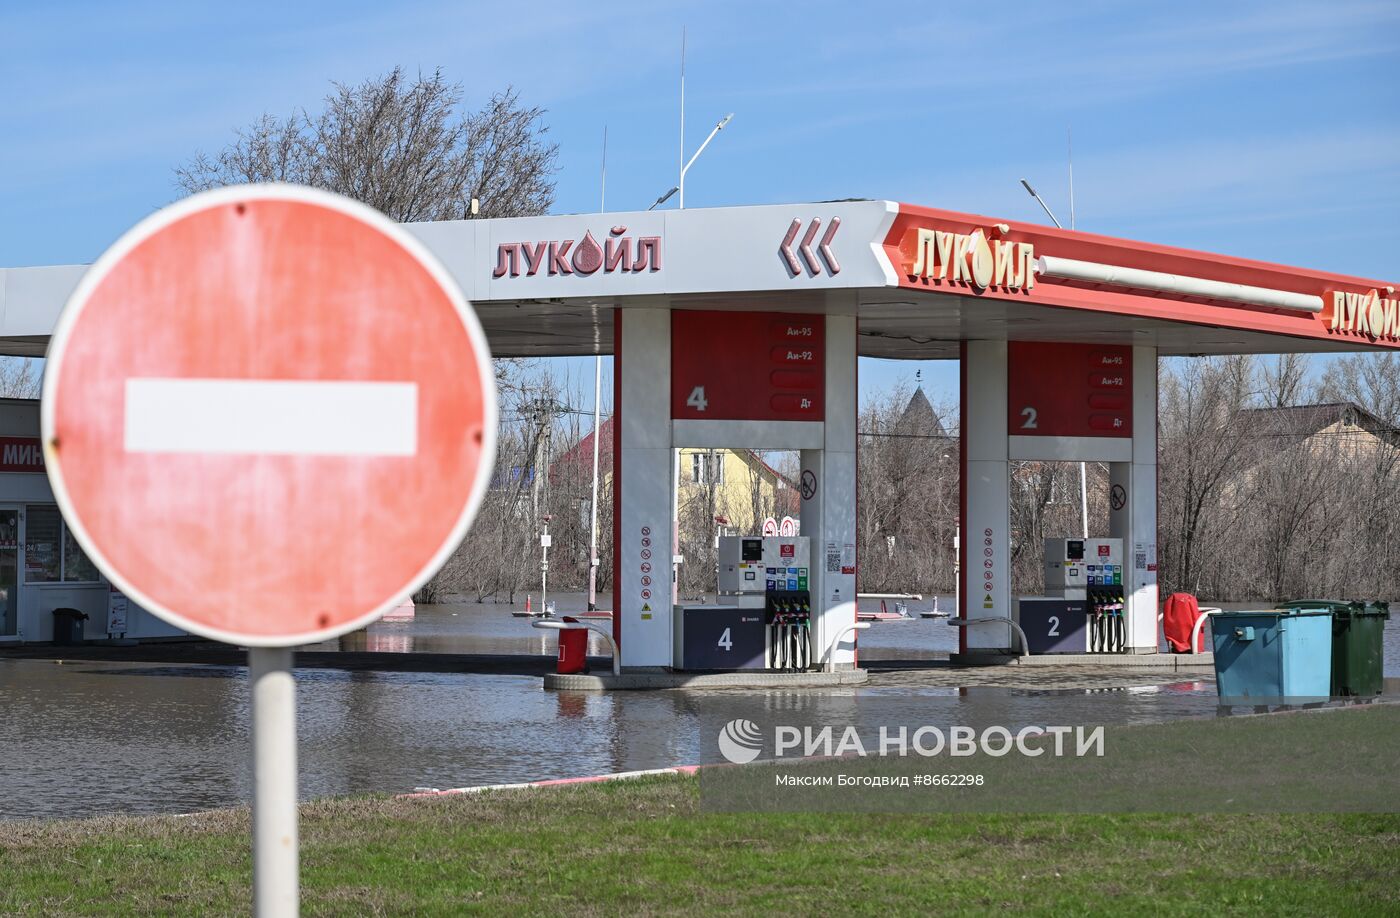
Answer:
[(1069, 390)]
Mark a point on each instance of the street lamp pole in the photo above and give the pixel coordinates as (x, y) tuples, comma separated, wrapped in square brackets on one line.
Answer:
[(1043, 205), (686, 168)]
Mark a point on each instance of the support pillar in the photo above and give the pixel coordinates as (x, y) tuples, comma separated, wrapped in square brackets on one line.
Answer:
[(643, 488), (1134, 520), (828, 515), (985, 518)]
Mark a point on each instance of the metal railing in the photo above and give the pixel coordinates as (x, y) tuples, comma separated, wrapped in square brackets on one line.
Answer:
[(584, 626), (1206, 613), (968, 622), (829, 658)]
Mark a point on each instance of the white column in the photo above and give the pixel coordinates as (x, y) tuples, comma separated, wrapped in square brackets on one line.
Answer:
[(1135, 522), (643, 557), (829, 516), (986, 518)]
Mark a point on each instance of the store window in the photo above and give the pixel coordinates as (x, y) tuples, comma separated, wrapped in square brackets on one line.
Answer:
[(51, 554), (43, 562), (76, 566)]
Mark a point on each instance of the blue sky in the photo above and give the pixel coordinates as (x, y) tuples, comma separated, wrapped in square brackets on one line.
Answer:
[(1264, 130)]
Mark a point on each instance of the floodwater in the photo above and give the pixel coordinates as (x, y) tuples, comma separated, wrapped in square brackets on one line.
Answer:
[(83, 738)]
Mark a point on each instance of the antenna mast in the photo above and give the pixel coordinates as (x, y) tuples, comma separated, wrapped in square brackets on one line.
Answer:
[(680, 151), (1069, 141)]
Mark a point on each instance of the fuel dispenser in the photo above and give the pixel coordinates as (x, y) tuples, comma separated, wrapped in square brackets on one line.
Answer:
[(1083, 606), (763, 619), (789, 617)]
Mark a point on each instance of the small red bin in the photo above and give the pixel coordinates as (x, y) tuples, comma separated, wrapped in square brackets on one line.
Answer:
[(573, 650)]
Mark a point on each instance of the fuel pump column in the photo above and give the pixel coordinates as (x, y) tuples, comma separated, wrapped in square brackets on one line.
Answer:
[(1083, 609), (764, 616)]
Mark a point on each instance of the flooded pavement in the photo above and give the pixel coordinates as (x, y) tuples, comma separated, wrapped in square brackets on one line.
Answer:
[(88, 738)]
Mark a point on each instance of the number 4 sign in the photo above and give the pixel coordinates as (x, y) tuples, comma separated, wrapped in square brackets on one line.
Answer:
[(747, 366)]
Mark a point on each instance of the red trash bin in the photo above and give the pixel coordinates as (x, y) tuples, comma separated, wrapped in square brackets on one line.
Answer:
[(573, 650), (1178, 618)]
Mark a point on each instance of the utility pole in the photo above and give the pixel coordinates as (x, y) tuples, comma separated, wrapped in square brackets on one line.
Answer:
[(544, 417), (543, 409)]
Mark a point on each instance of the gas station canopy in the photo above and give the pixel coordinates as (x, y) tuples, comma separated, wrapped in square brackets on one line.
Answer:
[(919, 281), (740, 327)]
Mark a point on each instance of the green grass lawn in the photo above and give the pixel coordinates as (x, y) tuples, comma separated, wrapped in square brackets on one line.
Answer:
[(642, 847)]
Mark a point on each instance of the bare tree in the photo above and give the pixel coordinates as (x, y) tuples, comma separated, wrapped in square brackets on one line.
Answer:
[(20, 377), (1270, 490), (907, 485), (405, 146), (401, 145), (1284, 380), (1201, 431), (1369, 380)]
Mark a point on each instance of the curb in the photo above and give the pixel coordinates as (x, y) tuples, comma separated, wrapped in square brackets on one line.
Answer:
[(642, 681), (1158, 661), (554, 782)]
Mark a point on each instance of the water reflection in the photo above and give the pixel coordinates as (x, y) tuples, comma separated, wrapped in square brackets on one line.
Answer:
[(99, 738)]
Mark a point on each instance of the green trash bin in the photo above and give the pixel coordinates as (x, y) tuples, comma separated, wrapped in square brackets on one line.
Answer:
[(1358, 640)]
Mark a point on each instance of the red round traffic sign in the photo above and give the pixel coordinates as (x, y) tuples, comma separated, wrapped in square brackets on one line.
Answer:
[(268, 415)]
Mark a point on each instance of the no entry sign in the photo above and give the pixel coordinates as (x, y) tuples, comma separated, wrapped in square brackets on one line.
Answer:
[(268, 414)]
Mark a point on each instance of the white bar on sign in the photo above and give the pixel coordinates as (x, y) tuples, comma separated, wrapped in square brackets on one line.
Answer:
[(272, 416)]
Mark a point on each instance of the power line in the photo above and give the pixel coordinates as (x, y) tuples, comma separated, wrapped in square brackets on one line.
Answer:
[(907, 436)]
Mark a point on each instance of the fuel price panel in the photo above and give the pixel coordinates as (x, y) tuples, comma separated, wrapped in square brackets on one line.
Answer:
[(747, 366), (1069, 390)]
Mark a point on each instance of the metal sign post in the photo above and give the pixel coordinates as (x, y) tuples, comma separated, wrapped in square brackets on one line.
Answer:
[(275, 843), (544, 567)]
